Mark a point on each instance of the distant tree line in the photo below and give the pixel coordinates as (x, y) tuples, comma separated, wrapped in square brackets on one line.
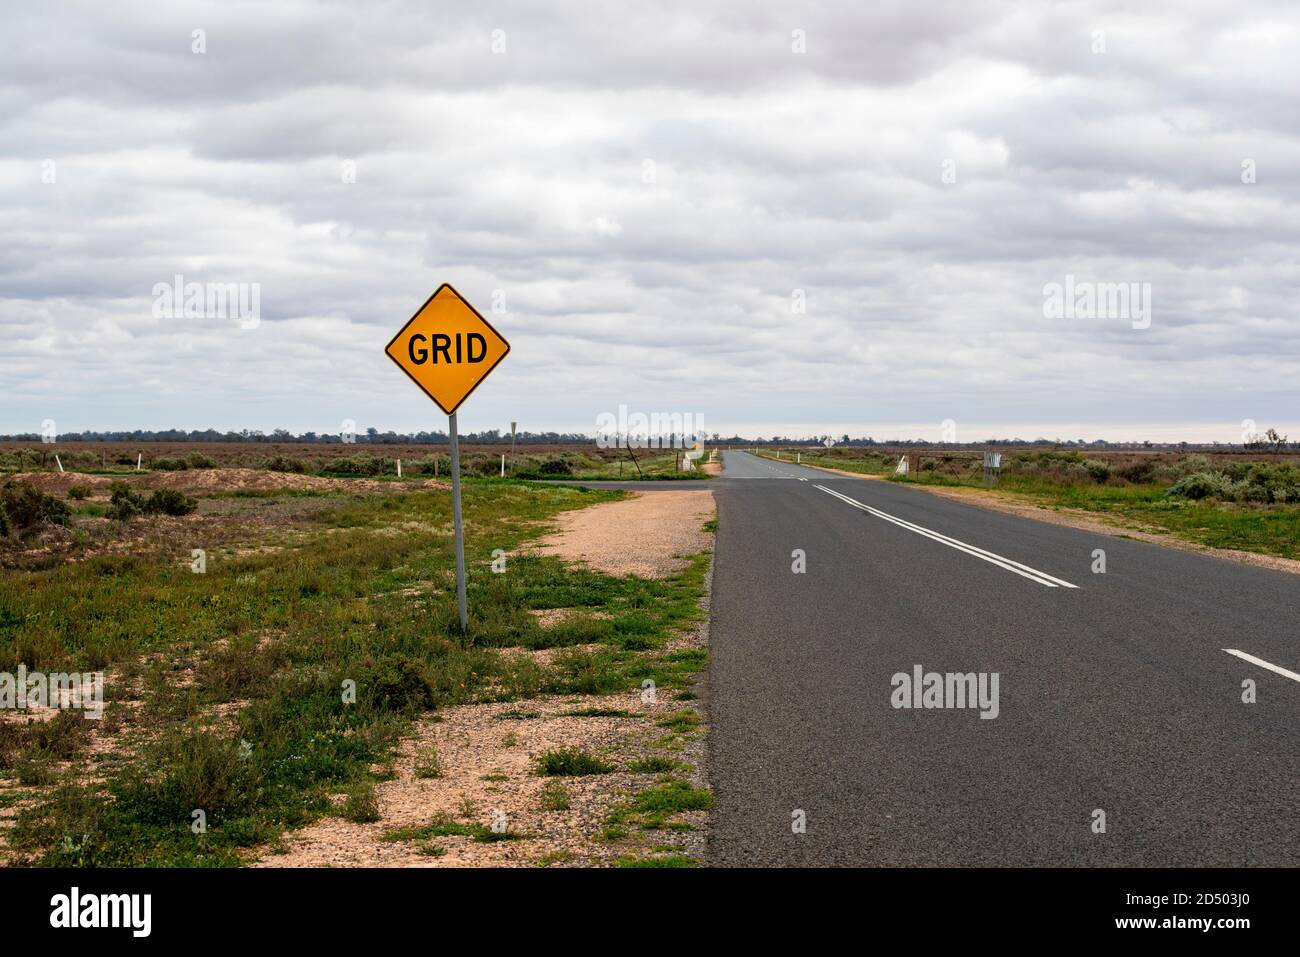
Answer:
[(370, 436), (1269, 441)]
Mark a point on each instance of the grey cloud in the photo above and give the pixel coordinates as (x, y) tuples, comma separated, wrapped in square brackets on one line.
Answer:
[(773, 171)]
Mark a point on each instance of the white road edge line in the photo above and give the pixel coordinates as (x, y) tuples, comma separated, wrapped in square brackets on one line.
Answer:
[(1263, 664), (993, 558)]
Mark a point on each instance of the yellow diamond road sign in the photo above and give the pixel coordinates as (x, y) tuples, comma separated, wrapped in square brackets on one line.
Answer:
[(447, 348)]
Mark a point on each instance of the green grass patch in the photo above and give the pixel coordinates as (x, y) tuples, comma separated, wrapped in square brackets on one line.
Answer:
[(680, 722), (655, 808), (571, 762)]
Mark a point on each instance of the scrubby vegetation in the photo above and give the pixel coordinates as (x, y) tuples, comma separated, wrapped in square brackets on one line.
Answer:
[(126, 503), (23, 507), (352, 460), (195, 460), (1253, 482), (305, 663), (285, 463)]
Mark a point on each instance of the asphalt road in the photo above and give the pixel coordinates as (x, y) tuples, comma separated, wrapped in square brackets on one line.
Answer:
[(1113, 695)]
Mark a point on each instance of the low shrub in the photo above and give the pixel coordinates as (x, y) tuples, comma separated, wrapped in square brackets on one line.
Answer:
[(1258, 483), (1189, 465), (24, 506), (1049, 459), (360, 464), (283, 463), (1197, 486), (1099, 471), (482, 465), (191, 771), (1139, 472), (124, 503), (398, 683), (555, 466), (427, 465), (168, 501)]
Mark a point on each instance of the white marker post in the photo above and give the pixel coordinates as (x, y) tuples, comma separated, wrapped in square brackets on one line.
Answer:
[(399, 468), (56, 459), (459, 526), (138, 459), (503, 465)]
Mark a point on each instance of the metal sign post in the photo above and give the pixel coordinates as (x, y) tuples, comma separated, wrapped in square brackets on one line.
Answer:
[(456, 522), (447, 348)]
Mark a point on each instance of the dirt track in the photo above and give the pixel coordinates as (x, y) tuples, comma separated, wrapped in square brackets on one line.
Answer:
[(647, 534)]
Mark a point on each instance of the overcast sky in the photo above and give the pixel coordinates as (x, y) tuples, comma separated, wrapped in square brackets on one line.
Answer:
[(794, 218)]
